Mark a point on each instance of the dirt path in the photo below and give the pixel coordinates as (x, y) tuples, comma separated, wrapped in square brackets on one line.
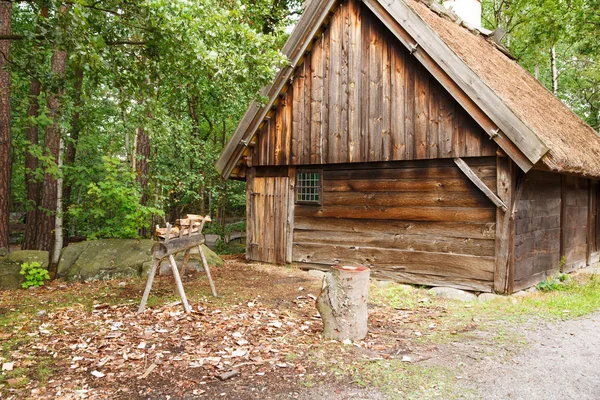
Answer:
[(560, 361)]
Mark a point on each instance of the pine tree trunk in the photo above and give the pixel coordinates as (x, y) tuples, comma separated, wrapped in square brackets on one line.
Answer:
[(74, 139), (142, 156), (31, 164), (5, 137), (342, 303), (45, 234)]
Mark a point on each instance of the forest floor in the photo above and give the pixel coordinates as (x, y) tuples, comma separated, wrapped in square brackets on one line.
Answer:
[(87, 341)]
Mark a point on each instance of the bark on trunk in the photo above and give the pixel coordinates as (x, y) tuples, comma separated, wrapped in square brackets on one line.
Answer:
[(75, 131), (142, 155), (31, 165), (5, 139), (45, 234), (554, 71), (342, 303), (58, 219)]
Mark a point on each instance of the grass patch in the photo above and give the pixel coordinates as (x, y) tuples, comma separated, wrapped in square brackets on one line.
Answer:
[(408, 381)]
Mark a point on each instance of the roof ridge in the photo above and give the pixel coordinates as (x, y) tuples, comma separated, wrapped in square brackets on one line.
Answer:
[(491, 36)]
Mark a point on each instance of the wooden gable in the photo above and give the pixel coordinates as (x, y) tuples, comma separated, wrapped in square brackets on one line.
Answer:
[(360, 96)]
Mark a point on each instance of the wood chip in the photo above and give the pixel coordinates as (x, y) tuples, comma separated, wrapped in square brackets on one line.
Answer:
[(148, 371), (229, 374)]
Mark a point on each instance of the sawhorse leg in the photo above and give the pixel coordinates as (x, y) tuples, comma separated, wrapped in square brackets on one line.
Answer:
[(149, 282), (207, 270), (184, 301)]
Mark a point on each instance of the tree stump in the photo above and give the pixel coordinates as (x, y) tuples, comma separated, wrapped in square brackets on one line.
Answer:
[(342, 303)]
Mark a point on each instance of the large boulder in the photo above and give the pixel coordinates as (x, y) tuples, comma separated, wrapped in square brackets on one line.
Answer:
[(112, 259), (10, 266), (104, 259)]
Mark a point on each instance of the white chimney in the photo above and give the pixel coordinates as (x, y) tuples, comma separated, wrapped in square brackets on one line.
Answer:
[(467, 10)]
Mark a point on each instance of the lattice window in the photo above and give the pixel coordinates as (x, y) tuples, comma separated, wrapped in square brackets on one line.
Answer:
[(308, 187)]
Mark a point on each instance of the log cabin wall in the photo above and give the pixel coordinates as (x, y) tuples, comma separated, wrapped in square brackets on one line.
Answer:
[(360, 96), (537, 229), (419, 222)]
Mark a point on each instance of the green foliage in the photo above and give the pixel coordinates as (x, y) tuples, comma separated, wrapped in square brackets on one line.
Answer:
[(552, 283), (111, 207), (35, 275)]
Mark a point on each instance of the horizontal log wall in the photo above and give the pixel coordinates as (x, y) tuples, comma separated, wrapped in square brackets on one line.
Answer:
[(537, 229), (418, 222), (360, 96)]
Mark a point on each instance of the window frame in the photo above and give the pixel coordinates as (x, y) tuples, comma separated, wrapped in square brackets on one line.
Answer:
[(297, 187)]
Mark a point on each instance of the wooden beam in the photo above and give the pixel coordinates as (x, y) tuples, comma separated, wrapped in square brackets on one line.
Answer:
[(470, 83), (589, 235), (460, 163), (505, 192)]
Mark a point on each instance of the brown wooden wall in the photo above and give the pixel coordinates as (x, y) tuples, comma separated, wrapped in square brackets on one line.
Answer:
[(537, 229), (575, 209), (360, 96), (418, 222)]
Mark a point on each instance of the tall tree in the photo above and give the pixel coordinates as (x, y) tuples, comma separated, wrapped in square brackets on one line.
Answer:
[(52, 145), (5, 133)]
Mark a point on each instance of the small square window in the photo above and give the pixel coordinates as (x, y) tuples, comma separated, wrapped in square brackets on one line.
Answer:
[(308, 187)]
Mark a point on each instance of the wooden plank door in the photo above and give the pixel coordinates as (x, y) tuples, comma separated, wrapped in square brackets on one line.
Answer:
[(268, 211)]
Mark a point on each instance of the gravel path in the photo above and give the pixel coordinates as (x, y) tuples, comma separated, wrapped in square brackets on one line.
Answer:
[(562, 361)]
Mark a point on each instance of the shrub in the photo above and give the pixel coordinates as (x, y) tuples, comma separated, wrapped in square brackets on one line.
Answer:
[(35, 275)]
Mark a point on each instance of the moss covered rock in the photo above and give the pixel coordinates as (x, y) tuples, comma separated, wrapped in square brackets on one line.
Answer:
[(10, 266), (113, 259), (104, 259)]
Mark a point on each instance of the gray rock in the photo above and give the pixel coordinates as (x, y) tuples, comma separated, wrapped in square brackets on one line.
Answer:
[(10, 266), (485, 297), (113, 259), (453, 294)]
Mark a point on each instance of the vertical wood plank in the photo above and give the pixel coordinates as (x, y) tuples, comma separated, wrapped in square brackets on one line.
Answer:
[(421, 116), (386, 107), (446, 126), (589, 234), (287, 122), (505, 193), (563, 217), (355, 75), (250, 216), (397, 104), (291, 183), (459, 135), (433, 137), (278, 139), (316, 101), (374, 143), (297, 126), (409, 120), (342, 152), (335, 115), (326, 103), (306, 112), (365, 85)]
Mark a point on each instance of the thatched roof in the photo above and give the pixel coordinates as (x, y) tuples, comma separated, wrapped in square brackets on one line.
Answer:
[(574, 147), (518, 112)]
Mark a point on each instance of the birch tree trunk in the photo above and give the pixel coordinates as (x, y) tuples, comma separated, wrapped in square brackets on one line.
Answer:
[(58, 218), (5, 138), (554, 70)]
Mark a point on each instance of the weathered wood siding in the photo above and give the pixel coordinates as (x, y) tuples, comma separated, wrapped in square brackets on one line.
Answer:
[(537, 229), (268, 230), (575, 231), (418, 222), (360, 96)]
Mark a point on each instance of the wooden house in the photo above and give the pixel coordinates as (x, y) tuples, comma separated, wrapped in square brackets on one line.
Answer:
[(402, 138)]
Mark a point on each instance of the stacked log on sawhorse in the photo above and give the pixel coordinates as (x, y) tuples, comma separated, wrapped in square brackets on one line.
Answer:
[(184, 236)]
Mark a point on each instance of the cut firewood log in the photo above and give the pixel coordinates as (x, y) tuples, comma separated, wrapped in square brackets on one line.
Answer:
[(342, 303)]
